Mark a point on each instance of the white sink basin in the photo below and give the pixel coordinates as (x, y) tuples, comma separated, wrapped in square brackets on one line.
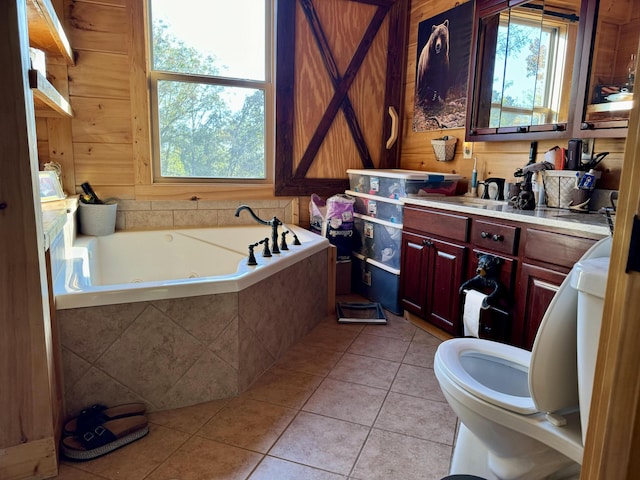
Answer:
[(473, 201)]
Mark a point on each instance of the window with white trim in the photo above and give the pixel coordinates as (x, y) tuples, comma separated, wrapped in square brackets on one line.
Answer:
[(211, 90), (530, 95)]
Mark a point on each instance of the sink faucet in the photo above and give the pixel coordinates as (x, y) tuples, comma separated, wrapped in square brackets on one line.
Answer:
[(273, 223)]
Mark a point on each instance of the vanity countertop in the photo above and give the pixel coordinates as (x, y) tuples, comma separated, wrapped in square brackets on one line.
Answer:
[(592, 222)]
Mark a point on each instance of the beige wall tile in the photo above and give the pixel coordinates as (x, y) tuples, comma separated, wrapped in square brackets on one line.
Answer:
[(148, 219)]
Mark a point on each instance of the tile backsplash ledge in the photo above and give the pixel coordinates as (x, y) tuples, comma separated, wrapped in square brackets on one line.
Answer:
[(158, 214)]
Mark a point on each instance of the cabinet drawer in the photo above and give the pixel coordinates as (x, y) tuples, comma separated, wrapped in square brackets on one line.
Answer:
[(454, 227), (494, 236), (555, 248)]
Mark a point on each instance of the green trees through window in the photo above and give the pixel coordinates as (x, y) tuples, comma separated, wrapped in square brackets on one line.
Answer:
[(207, 124)]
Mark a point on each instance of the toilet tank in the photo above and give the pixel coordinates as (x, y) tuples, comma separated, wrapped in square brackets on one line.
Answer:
[(589, 278)]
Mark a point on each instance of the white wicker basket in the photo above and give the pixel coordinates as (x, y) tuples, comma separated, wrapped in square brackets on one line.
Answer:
[(444, 148), (558, 185)]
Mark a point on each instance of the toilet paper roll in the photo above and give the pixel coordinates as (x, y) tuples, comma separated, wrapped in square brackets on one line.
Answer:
[(471, 316)]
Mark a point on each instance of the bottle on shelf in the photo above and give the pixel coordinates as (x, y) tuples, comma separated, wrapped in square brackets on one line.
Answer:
[(89, 195), (631, 71)]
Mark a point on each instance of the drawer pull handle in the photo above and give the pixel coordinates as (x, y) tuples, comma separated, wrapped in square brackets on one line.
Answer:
[(497, 238), (485, 234)]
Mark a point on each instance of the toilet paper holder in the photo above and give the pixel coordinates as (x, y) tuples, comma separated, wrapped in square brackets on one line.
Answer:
[(487, 276)]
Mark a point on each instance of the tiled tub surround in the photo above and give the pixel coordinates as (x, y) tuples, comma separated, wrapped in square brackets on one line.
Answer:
[(178, 342), (156, 214), (183, 351)]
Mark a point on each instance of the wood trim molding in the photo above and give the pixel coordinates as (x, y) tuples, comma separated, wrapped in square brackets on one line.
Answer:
[(613, 438), (140, 121)]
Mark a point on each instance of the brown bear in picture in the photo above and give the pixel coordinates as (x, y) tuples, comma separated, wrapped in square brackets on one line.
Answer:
[(433, 65)]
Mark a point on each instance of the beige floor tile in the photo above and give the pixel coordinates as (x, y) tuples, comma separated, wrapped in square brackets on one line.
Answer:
[(309, 359), (249, 424), (67, 472), (419, 382), (346, 401), (321, 442), (369, 371), (136, 460), (396, 327), (187, 419), (420, 354), (282, 387), (379, 347), (203, 459), (425, 337), (388, 455), (417, 417), (330, 337), (277, 469)]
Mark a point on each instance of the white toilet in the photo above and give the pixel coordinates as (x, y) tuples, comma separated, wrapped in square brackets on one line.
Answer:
[(524, 414)]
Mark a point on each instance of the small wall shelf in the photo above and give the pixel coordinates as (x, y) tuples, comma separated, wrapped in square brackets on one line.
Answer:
[(45, 30), (48, 101)]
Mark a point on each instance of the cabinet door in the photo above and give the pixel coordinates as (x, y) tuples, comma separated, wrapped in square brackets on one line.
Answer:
[(446, 271), (537, 286), (413, 273), (607, 69)]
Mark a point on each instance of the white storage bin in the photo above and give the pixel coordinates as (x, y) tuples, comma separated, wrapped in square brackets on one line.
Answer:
[(377, 239), (387, 209), (397, 183), (377, 282)]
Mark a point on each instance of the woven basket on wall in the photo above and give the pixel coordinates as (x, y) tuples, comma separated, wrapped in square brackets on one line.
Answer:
[(444, 148)]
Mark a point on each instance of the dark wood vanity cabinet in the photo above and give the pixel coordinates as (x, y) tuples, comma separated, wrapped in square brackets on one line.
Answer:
[(433, 268), (547, 257), (440, 250)]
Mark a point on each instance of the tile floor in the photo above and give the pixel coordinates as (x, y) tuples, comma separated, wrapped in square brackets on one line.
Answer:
[(346, 402)]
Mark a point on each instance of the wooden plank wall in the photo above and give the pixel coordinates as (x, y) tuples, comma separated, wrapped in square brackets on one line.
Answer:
[(495, 159), (98, 146)]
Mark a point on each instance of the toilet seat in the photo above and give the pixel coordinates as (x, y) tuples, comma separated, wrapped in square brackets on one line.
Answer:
[(507, 363), (566, 440)]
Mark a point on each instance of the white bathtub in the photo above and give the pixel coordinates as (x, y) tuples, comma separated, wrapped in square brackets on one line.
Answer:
[(152, 265)]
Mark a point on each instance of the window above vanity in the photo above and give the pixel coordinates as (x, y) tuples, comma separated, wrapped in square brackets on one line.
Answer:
[(539, 67)]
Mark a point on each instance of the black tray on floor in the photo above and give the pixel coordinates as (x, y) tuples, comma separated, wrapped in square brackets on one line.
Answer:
[(355, 312)]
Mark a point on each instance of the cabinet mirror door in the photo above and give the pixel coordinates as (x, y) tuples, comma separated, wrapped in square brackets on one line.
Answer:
[(524, 65), (608, 68)]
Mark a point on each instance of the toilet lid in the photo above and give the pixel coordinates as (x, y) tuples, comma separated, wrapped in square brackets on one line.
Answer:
[(495, 372)]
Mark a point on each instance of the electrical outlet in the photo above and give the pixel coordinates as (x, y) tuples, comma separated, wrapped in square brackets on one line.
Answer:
[(467, 149)]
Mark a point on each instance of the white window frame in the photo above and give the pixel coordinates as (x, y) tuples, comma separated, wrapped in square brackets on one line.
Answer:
[(267, 86), (558, 32)]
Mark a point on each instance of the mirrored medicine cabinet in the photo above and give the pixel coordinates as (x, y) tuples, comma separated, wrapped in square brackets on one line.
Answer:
[(538, 67)]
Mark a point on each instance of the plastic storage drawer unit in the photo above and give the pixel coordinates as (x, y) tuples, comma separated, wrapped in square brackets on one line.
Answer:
[(397, 183), (387, 209), (377, 239), (377, 282)]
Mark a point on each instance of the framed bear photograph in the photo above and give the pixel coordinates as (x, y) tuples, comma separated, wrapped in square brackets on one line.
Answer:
[(442, 69)]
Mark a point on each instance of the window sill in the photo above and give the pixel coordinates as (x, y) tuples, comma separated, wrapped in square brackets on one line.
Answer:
[(227, 191)]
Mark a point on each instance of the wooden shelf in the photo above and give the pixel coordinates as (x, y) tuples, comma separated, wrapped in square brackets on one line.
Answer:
[(48, 101), (45, 30), (623, 106)]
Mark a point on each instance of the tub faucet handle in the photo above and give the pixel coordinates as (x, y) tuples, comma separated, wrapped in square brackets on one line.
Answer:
[(266, 252), (283, 242), (252, 258)]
